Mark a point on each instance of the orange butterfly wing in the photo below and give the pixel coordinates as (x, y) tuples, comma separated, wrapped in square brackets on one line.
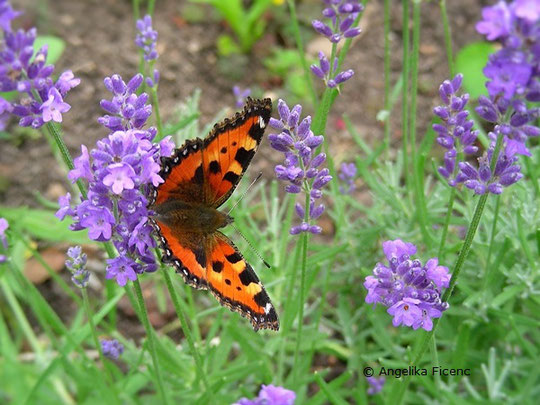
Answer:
[(183, 175), (229, 148), (205, 173), (183, 251), (234, 283)]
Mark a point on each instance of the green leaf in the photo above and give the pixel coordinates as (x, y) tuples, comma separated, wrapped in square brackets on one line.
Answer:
[(227, 46), (55, 45), (470, 61), (43, 225)]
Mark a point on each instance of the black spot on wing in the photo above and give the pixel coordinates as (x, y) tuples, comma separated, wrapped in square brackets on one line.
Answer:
[(217, 267), (224, 150), (243, 156), (256, 132), (261, 298), (198, 178), (231, 177), (214, 167), (248, 276), (234, 258), (227, 281)]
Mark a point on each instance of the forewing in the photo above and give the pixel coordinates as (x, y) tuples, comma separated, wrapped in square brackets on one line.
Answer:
[(229, 148), (183, 175)]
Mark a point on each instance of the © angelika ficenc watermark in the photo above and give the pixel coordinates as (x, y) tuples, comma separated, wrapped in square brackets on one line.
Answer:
[(416, 371)]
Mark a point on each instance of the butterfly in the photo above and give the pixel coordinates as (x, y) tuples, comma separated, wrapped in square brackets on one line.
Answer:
[(198, 178)]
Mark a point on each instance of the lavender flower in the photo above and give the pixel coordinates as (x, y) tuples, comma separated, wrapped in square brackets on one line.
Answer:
[(497, 21), (482, 180), (375, 384), (240, 95), (513, 70), (527, 9), (119, 172), (146, 38), (512, 74), (76, 264), (301, 169), (329, 74), (21, 70), (347, 175), (111, 348), (270, 395), (341, 14), (129, 110), (455, 133), (410, 290), (3, 240), (7, 14)]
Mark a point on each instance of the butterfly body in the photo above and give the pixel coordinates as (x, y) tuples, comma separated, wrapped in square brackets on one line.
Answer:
[(199, 177), (191, 217)]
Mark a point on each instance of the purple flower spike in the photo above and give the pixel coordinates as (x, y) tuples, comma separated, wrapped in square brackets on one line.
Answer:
[(512, 71), (342, 15), (300, 169), (119, 171), (375, 384), (482, 180), (347, 175), (240, 95), (410, 291), (3, 240), (76, 264), (270, 395), (455, 133), (54, 106), (497, 21), (39, 99), (146, 38), (112, 348)]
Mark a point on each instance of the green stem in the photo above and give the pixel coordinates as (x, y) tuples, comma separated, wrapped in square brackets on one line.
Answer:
[(288, 312), (446, 223), (151, 5), (447, 38), (55, 132), (155, 102), (93, 331), (302, 298), (151, 343), (414, 75), (387, 100), (492, 238), (418, 172), (136, 9), (185, 327), (300, 46), (435, 360), (405, 91)]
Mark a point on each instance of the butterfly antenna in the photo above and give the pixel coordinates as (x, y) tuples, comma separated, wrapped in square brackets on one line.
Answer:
[(244, 194), (251, 246)]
